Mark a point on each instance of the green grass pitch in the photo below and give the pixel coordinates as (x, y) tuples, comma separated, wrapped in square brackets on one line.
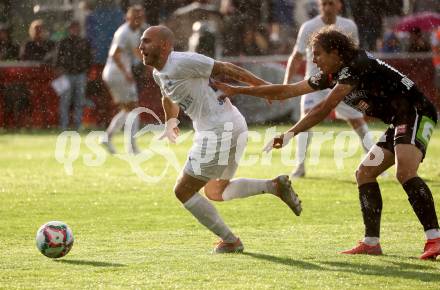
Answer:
[(133, 234)]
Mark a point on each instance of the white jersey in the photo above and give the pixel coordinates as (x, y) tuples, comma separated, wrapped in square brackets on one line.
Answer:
[(185, 80), (309, 27), (126, 40)]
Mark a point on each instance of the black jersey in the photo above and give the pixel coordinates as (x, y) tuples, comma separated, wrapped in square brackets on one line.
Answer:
[(380, 90)]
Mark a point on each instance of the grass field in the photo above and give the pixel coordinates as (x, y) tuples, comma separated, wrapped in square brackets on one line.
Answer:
[(133, 234)]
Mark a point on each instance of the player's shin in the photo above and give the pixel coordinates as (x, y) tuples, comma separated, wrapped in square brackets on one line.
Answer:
[(208, 216), (371, 204), (420, 198)]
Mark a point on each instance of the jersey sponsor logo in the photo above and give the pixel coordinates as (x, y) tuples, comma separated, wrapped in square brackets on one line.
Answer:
[(401, 130), (344, 74), (356, 99), (185, 102), (362, 106), (316, 79)]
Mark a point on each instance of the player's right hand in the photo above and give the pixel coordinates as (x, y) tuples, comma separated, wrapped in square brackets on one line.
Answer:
[(278, 142), (171, 131)]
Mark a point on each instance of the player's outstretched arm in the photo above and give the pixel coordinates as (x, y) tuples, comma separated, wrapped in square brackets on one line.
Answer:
[(232, 71), (269, 92), (313, 117)]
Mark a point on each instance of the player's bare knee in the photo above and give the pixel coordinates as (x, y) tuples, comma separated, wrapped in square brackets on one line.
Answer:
[(360, 175), (403, 175)]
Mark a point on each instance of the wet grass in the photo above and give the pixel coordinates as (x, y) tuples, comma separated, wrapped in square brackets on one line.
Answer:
[(134, 234)]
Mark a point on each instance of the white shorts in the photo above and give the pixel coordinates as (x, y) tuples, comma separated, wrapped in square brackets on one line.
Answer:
[(217, 157), (342, 110), (121, 90)]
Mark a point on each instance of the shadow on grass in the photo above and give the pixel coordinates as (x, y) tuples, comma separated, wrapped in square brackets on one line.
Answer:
[(285, 261), (385, 271), (398, 269), (90, 263)]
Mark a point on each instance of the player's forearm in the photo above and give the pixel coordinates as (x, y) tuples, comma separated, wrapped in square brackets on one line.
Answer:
[(270, 92), (316, 115), (170, 109), (242, 75), (276, 92)]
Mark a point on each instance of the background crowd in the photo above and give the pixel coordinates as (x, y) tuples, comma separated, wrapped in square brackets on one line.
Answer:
[(73, 35)]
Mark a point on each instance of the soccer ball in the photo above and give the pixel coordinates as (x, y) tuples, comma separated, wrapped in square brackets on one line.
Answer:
[(54, 239)]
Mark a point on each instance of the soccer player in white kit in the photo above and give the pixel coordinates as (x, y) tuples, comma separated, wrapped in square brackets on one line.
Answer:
[(328, 16), (117, 75), (183, 78)]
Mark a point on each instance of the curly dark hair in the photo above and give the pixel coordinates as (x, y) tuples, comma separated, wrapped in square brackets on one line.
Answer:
[(329, 38)]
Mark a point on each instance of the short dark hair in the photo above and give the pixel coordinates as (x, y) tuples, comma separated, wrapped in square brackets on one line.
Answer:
[(331, 39)]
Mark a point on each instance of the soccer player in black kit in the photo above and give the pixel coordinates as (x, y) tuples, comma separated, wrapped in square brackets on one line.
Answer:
[(378, 90)]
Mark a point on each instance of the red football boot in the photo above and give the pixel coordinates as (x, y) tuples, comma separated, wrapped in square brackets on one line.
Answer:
[(364, 249), (431, 250)]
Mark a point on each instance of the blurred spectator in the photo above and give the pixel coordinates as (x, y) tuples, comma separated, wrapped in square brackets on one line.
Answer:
[(85, 8), (368, 17), (73, 60), (417, 41), (9, 50), (253, 41), (38, 47), (391, 43), (282, 25), (312, 8), (203, 38), (426, 5), (101, 24), (238, 14)]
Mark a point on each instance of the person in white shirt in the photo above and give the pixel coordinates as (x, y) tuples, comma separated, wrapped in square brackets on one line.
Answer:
[(220, 133), (328, 16), (118, 76)]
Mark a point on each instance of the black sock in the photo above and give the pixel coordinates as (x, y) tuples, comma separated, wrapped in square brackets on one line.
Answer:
[(371, 206), (420, 198)]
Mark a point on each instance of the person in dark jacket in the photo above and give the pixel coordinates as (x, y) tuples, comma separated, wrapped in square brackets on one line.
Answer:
[(38, 48), (73, 61)]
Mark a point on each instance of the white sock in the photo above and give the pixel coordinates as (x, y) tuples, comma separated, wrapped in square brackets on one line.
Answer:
[(302, 143), (371, 241), (432, 234), (134, 128), (245, 187), (116, 123), (365, 136), (208, 216)]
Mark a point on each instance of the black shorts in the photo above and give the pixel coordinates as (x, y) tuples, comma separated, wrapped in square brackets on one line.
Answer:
[(415, 128)]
